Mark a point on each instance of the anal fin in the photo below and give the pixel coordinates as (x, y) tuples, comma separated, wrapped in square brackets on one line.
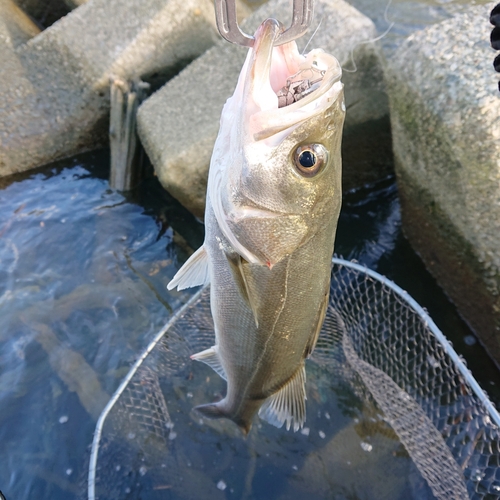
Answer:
[(194, 272), (211, 358), (288, 404)]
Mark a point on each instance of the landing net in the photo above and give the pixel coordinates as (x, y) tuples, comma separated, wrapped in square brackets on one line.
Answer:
[(415, 417)]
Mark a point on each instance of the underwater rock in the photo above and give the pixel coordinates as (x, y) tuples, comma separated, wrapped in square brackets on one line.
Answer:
[(446, 138), (178, 125), (55, 87), (348, 466), (72, 369)]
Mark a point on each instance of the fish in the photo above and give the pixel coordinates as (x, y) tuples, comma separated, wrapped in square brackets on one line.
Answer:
[(272, 206)]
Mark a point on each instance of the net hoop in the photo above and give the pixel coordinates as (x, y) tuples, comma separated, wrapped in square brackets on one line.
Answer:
[(405, 297)]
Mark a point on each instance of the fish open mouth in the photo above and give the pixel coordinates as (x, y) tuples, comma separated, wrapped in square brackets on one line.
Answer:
[(283, 88)]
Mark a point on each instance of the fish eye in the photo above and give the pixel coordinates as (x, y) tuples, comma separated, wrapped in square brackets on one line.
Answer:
[(309, 159)]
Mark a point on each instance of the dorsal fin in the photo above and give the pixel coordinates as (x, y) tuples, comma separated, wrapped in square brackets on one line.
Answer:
[(211, 358), (194, 272), (288, 404)]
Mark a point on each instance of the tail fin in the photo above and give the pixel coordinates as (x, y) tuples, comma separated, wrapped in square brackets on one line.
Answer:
[(216, 410)]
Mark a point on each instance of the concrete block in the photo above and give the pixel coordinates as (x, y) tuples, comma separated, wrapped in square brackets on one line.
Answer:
[(178, 125), (445, 113), (16, 27), (54, 98)]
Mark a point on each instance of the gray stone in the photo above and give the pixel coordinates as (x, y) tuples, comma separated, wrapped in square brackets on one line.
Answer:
[(54, 96), (178, 125), (15, 27), (445, 115)]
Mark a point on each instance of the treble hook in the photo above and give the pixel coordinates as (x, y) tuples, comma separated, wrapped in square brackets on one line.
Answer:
[(225, 15)]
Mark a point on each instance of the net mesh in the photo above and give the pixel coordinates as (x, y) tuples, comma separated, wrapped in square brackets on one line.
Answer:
[(382, 353)]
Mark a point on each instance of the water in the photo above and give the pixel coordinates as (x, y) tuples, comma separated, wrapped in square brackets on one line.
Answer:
[(82, 288), (83, 274)]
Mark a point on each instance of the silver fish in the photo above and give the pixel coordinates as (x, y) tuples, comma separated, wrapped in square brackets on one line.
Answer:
[(273, 200)]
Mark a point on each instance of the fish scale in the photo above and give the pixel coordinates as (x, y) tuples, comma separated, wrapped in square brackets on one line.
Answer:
[(273, 200)]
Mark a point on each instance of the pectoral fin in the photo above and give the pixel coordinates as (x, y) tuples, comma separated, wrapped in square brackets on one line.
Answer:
[(211, 358), (236, 263), (194, 272), (288, 404)]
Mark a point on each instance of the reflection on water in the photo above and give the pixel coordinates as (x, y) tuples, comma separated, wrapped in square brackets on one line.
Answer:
[(83, 274), (82, 288)]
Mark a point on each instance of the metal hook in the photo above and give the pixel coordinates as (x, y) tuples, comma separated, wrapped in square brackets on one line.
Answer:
[(225, 15)]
